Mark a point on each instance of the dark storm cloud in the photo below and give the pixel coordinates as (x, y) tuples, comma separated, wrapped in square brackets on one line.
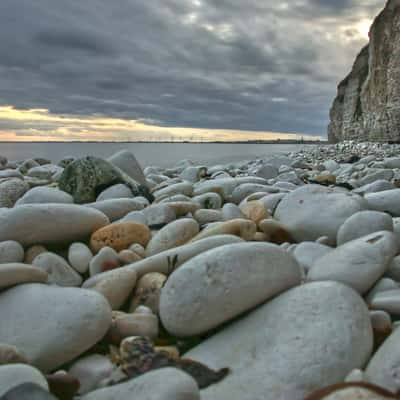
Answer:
[(230, 64)]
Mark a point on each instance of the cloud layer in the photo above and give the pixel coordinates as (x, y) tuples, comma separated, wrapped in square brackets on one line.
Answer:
[(209, 64)]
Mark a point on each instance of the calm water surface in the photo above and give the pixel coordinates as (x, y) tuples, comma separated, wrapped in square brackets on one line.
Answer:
[(161, 154)]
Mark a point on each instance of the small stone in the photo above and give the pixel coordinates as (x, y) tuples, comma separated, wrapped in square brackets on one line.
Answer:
[(388, 300), (11, 252), (120, 236), (115, 286), (54, 324), (148, 292), (43, 194), (105, 260), (90, 371), (275, 231), (162, 384), (386, 201), (58, 270), (32, 252), (119, 191), (352, 391), (116, 209), (356, 375), (63, 385), (240, 227), (128, 257), (137, 324), (255, 211), (79, 256), (11, 355), (307, 253), (363, 223), (11, 190), (159, 215), (172, 235), (383, 368), (207, 216), (16, 274), (359, 263), (138, 249), (13, 375)]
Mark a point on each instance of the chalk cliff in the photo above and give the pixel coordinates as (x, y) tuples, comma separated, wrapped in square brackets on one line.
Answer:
[(367, 105)]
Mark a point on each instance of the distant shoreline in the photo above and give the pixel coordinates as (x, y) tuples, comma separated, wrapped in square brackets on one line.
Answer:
[(284, 141)]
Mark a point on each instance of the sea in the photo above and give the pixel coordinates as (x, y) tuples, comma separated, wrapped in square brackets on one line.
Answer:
[(156, 154)]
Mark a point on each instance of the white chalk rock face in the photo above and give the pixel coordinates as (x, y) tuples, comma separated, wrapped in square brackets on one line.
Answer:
[(279, 351), (172, 235), (79, 256), (359, 263), (116, 209), (49, 223), (58, 270), (15, 274), (222, 283), (52, 325), (11, 252), (384, 367), (364, 223), (160, 384), (13, 375), (44, 194), (386, 201), (298, 211)]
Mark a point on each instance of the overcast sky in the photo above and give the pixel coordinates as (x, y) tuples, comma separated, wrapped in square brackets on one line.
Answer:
[(251, 65)]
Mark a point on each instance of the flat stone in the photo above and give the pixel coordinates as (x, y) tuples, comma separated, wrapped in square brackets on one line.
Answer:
[(359, 263), (174, 234), (16, 274), (297, 210), (393, 270), (44, 194), (302, 321), (14, 375), (204, 216), (52, 325), (221, 284), (11, 252), (161, 384), (363, 223), (49, 223)]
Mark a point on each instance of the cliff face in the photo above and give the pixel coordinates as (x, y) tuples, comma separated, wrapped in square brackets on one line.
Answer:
[(367, 106)]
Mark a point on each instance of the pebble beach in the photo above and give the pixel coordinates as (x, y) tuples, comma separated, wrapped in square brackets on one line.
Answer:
[(276, 278)]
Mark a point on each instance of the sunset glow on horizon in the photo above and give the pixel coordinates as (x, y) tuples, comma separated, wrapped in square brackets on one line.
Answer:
[(41, 125)]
